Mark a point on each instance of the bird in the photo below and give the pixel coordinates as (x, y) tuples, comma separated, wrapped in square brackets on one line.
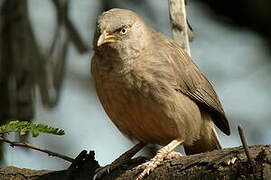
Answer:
[(152, 90)]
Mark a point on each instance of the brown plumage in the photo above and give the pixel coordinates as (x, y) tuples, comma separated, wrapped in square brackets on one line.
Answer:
[(150, 88)]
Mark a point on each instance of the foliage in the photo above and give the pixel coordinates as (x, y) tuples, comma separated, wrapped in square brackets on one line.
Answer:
[(22, 127)]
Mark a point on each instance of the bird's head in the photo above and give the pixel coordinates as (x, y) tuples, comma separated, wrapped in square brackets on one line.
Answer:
[(119, 30)]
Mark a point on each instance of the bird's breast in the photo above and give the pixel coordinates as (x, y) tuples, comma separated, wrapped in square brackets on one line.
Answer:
[(129, 101)]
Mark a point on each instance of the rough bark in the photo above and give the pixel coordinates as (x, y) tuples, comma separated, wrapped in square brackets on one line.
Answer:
[(211, 165)]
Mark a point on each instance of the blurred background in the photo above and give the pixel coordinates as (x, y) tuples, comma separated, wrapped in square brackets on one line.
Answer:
[(45, 52)]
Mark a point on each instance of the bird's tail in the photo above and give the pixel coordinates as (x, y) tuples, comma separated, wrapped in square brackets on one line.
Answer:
[(208, 140)]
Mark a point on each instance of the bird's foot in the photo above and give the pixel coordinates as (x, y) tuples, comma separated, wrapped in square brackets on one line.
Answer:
[(101, 171), (163, 153), (124, 158), (149, 166), (173, 155)]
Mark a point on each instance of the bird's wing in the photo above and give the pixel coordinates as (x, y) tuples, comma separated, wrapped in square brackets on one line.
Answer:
[(191, 82)]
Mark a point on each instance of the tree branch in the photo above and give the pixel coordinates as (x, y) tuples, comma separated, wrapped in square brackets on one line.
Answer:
[(177, 16), (204, 166), (244, 143), (30, 146)]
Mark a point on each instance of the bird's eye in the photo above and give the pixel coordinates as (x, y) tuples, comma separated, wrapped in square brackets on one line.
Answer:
[(123, 30)]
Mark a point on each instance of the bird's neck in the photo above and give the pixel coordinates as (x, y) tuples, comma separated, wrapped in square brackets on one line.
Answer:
[(118, 64)]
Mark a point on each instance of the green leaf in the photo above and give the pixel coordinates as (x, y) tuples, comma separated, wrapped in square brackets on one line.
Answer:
[(22, 133), (35, 132), (22, 127)]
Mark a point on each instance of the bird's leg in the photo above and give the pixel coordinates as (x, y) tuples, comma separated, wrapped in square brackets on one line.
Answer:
[(125, 157), (163, 153)]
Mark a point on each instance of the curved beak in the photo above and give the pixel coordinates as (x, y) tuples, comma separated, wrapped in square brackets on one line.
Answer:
[(105, 37)]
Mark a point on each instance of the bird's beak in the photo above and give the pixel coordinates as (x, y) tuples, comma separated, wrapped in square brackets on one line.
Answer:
[(105, 37)]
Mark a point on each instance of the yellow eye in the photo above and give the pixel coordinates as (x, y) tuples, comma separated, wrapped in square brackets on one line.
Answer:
[(123, 31)]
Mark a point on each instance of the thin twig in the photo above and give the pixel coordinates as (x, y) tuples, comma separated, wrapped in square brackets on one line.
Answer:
[(245, 145), (30, 146), (177, 16)]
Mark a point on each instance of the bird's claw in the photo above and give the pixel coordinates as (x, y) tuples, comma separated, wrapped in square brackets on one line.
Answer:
[(100, 172), (173, 155), (147, 168)]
